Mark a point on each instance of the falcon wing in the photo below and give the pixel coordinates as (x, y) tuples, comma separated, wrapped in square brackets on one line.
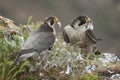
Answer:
[(41, 41), (65, 37), (24, 51), (91, 35)]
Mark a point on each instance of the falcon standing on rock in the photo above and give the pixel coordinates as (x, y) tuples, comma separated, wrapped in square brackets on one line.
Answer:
[(80, 33), (40, 40)]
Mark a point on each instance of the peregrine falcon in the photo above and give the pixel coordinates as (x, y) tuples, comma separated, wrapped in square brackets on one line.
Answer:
[(39, 40), (80, 33)]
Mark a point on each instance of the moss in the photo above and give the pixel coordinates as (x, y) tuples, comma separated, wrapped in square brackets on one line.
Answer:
[(88, 77)]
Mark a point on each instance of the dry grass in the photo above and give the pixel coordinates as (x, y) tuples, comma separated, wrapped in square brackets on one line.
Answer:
[(63, 62)]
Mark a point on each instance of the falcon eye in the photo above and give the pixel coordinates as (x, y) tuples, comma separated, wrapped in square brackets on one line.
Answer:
[(52, 22)]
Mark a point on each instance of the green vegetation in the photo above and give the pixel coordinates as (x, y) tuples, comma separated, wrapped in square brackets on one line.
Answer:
[(8, 47), (88, 77), (62, 63)]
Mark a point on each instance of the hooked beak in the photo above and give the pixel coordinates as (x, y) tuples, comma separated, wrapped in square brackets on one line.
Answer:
[(59, 23), (88, 20)]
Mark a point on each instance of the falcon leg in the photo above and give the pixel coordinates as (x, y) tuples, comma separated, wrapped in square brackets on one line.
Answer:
[(43, 57)]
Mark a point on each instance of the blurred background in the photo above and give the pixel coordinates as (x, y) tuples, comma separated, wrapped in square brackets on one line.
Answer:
[(104, 13)]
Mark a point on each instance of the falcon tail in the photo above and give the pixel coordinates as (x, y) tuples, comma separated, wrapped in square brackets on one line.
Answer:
[(23, 54)]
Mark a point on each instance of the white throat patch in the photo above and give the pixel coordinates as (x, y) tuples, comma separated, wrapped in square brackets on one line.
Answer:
[(90, 26)]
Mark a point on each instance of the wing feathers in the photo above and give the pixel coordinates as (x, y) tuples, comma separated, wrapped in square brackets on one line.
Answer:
[(22, 52), (65, 36), (91, 35)]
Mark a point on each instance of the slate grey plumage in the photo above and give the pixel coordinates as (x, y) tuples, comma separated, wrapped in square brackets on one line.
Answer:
[(38, 41)]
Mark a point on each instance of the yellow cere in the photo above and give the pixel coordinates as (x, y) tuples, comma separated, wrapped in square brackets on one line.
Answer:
[(87, 19), (56, 19)]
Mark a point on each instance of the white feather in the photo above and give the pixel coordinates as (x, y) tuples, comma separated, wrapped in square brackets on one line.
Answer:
[(90, 26)]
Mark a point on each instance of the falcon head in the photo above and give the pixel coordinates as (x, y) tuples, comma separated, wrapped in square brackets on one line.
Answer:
[(79, 21), (51, 21)]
